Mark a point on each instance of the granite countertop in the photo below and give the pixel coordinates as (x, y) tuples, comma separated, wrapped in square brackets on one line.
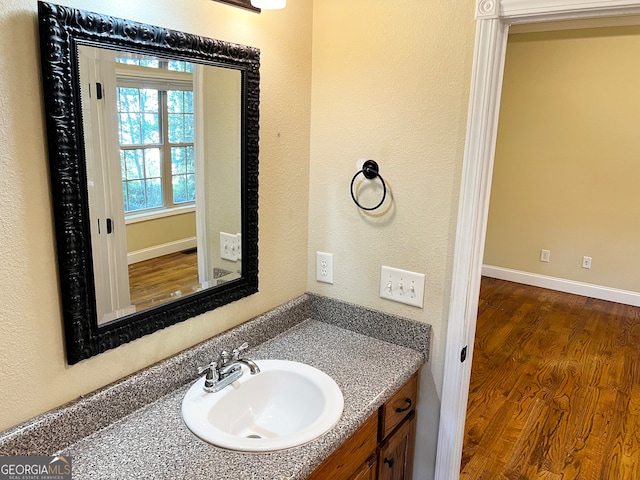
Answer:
[(154, 443), (133, 428)]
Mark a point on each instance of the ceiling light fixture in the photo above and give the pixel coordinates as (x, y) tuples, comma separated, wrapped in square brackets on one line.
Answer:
[(269, 4)]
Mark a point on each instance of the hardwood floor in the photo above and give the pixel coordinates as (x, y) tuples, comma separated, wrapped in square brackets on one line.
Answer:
[(555, 387), (156, 281)]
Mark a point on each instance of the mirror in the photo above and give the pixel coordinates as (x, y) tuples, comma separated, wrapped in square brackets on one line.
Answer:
[(159, 231), (153, 150)]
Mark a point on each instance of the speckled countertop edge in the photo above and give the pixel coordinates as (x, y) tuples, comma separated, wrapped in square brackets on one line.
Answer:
[(81, 418), (139, 393), (373, 323)]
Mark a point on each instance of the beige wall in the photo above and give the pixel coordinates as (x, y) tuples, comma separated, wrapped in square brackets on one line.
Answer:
[(390, 82), (31, 333), (151, 233), (222, 158), (566, 171)]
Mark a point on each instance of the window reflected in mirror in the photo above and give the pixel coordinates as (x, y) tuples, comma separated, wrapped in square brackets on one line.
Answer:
[(162, 141)]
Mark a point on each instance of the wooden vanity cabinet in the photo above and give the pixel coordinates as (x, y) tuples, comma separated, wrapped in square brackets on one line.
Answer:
[(382, 448), (367, 470), (395, 454), (348, 459), (397, 433)]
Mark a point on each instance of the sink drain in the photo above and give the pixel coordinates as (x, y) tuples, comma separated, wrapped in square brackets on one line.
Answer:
[(254, 436)]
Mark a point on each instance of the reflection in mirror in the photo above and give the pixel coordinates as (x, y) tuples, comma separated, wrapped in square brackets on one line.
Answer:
[(153, 152), (162, 142)]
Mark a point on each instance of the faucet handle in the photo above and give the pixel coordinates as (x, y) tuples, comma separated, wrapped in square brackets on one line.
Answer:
[(209, 368), (213, 365), (238, 351)]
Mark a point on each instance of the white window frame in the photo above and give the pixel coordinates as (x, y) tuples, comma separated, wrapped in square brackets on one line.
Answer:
[(135, 76)]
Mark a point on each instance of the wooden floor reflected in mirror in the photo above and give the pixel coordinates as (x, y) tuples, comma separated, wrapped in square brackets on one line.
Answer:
[(158, 280)]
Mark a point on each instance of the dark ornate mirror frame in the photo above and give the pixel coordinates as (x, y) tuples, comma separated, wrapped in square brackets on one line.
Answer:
[(61, 30)]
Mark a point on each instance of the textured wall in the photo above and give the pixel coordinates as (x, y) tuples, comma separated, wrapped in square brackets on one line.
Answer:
[(159, 231), (566, 171), (390, 82), (35, 376)]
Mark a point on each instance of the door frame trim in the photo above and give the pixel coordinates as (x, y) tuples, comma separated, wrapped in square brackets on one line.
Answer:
[(493, 20)]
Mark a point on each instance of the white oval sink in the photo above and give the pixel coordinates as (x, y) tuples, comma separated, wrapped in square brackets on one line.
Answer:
[(285, 405)]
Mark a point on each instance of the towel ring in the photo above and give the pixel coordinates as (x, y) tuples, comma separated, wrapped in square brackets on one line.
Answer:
[(370, 171)]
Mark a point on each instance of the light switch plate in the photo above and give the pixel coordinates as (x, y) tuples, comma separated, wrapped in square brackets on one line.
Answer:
[(402, 286), (229, 246)]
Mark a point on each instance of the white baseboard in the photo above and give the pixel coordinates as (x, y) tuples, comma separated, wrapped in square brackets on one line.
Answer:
[(562, 285), (159, 250)]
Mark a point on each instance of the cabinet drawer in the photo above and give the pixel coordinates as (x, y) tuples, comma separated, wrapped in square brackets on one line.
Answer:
[(401, 404)]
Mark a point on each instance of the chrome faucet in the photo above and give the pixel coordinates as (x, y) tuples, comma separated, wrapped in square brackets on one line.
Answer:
[(226, 369)]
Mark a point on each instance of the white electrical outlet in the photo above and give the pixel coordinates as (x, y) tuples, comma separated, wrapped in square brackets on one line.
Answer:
[(324, 267), (402, 286), (545, 255), (586, 262), (229, 246)]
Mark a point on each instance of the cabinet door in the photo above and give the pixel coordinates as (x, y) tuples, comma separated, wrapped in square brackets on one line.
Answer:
[(367, 471), (395, 455)]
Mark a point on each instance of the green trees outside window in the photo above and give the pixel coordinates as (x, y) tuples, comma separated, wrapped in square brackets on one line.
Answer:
[(156, 133)]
